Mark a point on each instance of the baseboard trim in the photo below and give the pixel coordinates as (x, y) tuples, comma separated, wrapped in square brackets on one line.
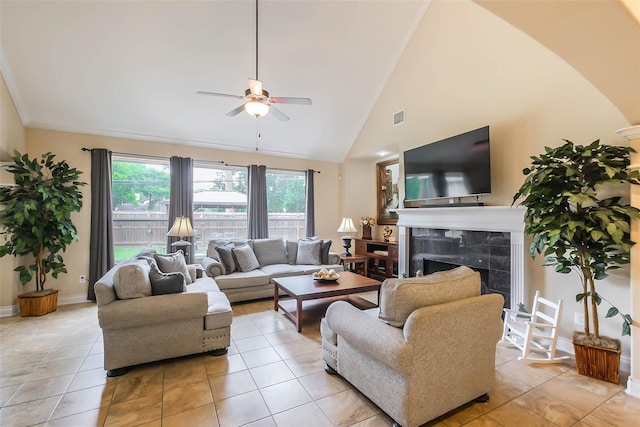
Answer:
[(9, 310), (566, 345), (633, 388), (13, 310)]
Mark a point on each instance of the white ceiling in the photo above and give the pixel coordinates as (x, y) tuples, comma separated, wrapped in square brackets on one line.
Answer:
[(132, 68)]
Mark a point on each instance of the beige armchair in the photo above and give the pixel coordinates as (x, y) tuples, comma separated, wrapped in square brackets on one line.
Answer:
[(430, 349)]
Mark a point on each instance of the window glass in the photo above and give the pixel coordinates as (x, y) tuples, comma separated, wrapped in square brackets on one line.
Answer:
[(140, 202), (219, 204), (286, 203)]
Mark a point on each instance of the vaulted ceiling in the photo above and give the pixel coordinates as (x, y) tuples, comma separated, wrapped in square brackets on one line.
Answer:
[(132, 68)]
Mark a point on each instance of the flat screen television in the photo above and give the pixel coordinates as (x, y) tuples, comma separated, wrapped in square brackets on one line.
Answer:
[(454, 167)]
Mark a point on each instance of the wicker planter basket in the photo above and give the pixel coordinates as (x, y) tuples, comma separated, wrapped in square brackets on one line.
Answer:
[(38, 303), (599, 362)]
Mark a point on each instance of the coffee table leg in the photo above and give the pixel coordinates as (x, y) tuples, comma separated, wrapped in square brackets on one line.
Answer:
[(276, 294), (299, 314)]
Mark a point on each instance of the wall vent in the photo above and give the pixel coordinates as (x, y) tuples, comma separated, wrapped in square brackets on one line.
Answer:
[(398, 117)]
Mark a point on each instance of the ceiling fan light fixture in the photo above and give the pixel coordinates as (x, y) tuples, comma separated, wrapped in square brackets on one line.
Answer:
[(256, 109)]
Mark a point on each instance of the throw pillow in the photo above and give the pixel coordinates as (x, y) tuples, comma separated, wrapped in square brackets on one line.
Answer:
[(324, 249), (245, 258), (131, 280), (308, 252), (270, 251), (171, 263), (225, 252), (166, 283), (401, 297), (292, 251)]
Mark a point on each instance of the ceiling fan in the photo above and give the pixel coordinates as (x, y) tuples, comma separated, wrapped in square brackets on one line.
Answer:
[(258, 102)]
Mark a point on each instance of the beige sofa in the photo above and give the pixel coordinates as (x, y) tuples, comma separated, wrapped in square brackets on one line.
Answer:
[(143, 328), (430, 347), (275, 258)]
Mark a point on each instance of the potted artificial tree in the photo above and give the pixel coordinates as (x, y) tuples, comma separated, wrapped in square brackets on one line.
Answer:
[(577, 227), (36, 222)]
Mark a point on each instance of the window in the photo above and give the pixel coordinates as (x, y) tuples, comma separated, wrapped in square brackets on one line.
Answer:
[(219, 204), (140, 203), (286, 203)]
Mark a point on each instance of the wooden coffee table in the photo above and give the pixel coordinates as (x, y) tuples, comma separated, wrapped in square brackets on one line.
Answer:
[(317, 295)]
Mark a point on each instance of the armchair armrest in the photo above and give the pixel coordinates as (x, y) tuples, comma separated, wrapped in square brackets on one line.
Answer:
[(213, 267), (333, 258), (121, 314), (370, 335)]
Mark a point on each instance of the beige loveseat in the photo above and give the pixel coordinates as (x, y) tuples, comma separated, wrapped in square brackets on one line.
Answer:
[(430, 347), (139, 327), (274, 257)]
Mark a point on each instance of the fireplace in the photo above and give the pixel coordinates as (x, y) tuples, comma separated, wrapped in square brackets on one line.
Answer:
[(488, 239)]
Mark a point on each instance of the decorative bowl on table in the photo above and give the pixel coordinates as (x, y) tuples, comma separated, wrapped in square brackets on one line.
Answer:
[(325, 275)]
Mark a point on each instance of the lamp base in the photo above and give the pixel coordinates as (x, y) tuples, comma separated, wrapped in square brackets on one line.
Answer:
[(346, 244)]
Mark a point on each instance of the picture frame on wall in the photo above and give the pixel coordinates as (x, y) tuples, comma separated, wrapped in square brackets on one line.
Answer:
[(387, 190)]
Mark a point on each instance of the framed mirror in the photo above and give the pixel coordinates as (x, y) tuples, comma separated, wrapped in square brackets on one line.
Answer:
[(387, 190)]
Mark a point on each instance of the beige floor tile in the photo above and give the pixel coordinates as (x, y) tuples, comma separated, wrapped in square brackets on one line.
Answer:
[(513, 415), (619, 409), (483, 421), (86, 379), (224, 365), (83, 400), (601, 388), (230, 385), (241, 410), (551, 408), (203, 416), (56, 368), (274, 326), (264, 422), (95, 417), (69, 352), (345, 408), (297, 348), (28, 413), (271, 374), (251, 343), (264, 356), (282, 337), (576, 396), (190, 396), (310, 413), (7, 392), (9, 360), (134, 412), (321, 384), (97, 348), (593, 421), (35, 390), (138, 384), (375, 421), (185, 371), (16, 375), (245, 331), (305, 365), (283, 396)]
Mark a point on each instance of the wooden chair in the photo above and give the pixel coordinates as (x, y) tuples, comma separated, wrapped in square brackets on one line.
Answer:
[(535, 333)]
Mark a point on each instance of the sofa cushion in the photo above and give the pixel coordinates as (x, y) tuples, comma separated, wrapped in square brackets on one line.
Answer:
[(225, 252), (219, 314), (308, 252), (175, 262), (242, 280), (401, 297), (282, 270), (166, 283), (245, 258), (131, 280), (325, 247), (270, 251), (211, 248), (203, 284), (292, 251)]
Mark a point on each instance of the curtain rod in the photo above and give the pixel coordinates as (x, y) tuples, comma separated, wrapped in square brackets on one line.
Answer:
[(219, 162)]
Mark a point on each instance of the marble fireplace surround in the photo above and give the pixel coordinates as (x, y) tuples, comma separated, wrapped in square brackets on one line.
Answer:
[(473, 218)]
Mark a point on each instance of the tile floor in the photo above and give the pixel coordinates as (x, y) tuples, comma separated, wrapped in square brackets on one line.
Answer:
[(51, 375)]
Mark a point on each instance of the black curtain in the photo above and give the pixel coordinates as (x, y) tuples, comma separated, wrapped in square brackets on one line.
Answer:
[(101, 257), (257, 212), (309, 208), (181, 198)]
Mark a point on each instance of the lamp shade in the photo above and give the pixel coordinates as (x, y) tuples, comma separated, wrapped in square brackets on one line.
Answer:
[(256, 109), (346, 226), (181, 228)]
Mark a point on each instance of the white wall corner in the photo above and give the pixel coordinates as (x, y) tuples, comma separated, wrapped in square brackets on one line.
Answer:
[(633, 387), (9, 310)]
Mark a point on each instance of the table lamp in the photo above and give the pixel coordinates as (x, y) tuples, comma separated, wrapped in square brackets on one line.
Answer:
[(346, 226), (181, 228)]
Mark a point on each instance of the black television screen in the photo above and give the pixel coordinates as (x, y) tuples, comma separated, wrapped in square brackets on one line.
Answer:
[(454, 167)]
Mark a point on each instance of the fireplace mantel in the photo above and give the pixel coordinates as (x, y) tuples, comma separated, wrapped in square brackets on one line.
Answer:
[(474, 218)]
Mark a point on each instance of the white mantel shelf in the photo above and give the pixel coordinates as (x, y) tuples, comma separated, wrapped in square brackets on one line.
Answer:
[(475, 218)]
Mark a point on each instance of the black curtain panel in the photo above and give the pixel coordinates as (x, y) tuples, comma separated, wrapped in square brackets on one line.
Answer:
[(101, 257), (257, 212), (309, 208), (181, 199)]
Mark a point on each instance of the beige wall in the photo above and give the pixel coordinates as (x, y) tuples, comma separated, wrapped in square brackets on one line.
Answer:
[(466, 68), (12, 137)]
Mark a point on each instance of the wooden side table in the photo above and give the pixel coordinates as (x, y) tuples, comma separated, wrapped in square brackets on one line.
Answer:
[(355, 263)]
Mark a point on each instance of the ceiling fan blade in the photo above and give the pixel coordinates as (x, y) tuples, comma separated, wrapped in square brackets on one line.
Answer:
[(255, 86), (290, 100), (201, 92), (279, 114), (235, 111)]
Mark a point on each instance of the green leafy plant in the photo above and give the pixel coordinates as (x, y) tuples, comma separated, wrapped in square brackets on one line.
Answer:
[(573, 225), (36, 216)]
